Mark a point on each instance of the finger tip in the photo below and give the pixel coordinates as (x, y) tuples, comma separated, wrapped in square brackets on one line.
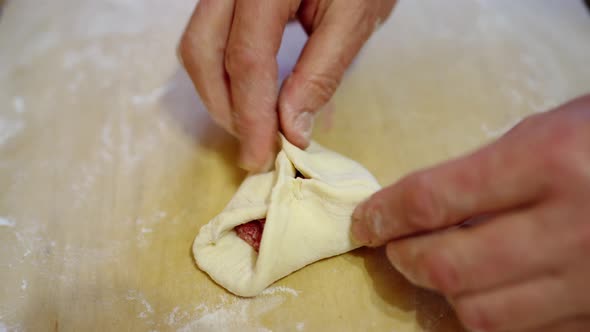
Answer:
[(358, 230), (368, 224), (358, 211), (267, 166), (297, 140), (247, 161), (249, 164), (358, 233), (254, 159), (299, 129), (297, 122)]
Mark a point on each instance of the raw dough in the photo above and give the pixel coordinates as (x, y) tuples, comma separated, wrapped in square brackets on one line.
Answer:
[(307, 219)]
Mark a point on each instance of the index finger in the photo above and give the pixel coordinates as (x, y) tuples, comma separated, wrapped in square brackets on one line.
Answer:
[(250, 61)]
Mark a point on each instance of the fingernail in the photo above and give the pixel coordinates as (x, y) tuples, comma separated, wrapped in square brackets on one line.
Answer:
[(248, 161), (267, 165), (303, 124), (358, 212), (359, 233), (376, 219), (367, 223), (359, 230)]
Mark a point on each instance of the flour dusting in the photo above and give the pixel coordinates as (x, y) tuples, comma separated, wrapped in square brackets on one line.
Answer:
[(6, 222), (151, 97), (176, 316), (3, 328), (18, 103), (300, 326), (233, 313), (93, 54), (280, 289), (9, 128), (134, 295)]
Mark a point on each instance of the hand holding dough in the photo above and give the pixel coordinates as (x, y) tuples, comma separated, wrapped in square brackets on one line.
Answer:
[(307, 219)]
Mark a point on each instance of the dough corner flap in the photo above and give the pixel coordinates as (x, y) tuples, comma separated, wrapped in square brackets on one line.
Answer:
[(307, 219)]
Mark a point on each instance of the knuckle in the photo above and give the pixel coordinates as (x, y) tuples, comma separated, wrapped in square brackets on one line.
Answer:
[(247, 123), (322, 86), (188, 48), (241, 58), (421, 209)]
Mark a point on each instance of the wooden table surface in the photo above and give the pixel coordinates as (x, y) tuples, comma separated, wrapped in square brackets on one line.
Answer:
[(109, 165)]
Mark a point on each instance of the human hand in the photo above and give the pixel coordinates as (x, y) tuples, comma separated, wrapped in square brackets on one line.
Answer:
[(527, 266), (229, 50)]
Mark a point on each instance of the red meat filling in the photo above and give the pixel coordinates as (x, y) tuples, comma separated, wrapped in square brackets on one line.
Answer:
[(251, 232)]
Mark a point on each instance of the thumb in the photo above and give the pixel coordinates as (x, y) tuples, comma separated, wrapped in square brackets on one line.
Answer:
[(332, 45), (496, 178)]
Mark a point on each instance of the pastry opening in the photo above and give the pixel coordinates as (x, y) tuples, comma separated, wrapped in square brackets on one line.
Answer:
[(299, 175), (251, 232)]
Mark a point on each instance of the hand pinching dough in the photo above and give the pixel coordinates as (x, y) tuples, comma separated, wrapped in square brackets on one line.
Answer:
[(292, 221)]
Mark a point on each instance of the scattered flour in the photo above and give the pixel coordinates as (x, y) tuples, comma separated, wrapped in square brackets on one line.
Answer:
[(24, 284), (300, 326), (134, 295), (176, 316), (18, 103), (9, 128), (280, 289), (94, 53), (228, 316), (6, 222), (3, 328), (233, 313), (151, 97)]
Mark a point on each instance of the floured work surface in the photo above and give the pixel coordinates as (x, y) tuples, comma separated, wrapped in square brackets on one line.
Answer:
[(109, 166)]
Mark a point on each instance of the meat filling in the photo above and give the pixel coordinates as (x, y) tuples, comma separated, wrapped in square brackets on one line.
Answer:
[(251, 232)]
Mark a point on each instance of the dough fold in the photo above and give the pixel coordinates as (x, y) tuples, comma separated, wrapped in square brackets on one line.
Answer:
[(307, 219)]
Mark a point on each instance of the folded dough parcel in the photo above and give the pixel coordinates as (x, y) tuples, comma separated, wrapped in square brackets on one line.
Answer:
[(289, 221)]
